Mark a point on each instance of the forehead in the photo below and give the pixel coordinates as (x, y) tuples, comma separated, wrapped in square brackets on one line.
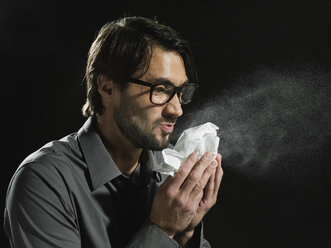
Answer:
[(167, 65)]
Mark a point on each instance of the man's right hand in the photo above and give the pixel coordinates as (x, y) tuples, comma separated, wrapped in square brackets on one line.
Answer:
[(177, 200)]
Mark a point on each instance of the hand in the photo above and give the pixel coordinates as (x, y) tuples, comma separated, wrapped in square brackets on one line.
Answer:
[(177, 201), (210, 193), (207, 202)]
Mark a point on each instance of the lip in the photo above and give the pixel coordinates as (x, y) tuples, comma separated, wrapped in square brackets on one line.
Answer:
[(167, 127)]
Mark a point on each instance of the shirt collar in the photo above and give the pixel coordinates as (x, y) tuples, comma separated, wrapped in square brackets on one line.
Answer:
[(101, 166)]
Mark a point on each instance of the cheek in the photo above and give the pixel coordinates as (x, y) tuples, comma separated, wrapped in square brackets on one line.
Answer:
[(144, 117), (143, 112), (148, 118)]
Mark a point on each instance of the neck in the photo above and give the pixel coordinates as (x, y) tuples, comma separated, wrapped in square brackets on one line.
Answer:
[(124, 154)]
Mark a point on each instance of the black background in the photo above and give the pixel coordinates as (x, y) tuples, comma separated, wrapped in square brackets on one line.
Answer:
[(43, 49)]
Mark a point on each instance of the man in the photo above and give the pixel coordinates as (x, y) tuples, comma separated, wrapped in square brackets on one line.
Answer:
[(97, 187)]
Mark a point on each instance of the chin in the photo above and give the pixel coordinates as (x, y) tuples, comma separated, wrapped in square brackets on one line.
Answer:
[(160, 143), (164, 137), (165, 143)]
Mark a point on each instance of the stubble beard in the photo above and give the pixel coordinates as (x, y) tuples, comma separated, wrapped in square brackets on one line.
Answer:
[(135, 133)]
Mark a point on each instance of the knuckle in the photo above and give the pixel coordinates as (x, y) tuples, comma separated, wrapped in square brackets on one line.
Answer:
[(200, 195), (221, 174), (209, 156), (221, 171), (189, 207), (193, 158), (179, 202), (194, 176), (169, 193), (200, 186), (183, 172)]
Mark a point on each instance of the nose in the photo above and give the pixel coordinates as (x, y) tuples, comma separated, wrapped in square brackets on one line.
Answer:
[(174, 107)]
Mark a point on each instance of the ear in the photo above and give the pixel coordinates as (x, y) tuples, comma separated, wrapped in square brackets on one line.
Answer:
[(105, 86)]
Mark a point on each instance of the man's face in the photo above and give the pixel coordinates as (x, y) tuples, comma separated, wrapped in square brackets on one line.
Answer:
[(143, 123)]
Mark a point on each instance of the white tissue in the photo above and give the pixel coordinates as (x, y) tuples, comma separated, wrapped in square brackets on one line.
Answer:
[(201, 138)]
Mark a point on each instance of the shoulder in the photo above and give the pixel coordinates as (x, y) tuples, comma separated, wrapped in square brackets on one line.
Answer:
[(57, 155), (52, 166), (64, 150)]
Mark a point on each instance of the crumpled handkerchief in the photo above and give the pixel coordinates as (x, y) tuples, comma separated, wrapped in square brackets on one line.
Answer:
[(202, 138)]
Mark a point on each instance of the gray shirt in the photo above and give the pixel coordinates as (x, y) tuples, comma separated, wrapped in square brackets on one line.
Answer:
[(70, 193)]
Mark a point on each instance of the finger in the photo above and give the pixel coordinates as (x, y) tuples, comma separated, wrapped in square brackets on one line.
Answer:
[(179, 177), (197, 177), (209, 189), (206, 195), (218, 174), (196, 201), (202, 184)]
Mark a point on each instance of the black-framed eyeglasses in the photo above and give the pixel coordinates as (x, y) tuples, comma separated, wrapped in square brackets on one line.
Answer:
[(162, 93)]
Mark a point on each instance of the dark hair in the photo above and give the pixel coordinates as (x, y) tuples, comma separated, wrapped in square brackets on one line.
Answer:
[(124, 47)]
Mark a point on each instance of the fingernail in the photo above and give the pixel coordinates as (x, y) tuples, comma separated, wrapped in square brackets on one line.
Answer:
[(209, 155), (213, 164), (196, 155)]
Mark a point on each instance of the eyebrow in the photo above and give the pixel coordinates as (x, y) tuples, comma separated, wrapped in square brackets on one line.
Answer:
[(165, 81)]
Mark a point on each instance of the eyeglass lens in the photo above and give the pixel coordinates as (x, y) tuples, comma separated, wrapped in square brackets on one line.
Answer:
[(162, 93)]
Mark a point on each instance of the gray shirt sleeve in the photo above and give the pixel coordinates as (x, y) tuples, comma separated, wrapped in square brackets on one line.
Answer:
[(200, 241), (150, 236), (36, 215)]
